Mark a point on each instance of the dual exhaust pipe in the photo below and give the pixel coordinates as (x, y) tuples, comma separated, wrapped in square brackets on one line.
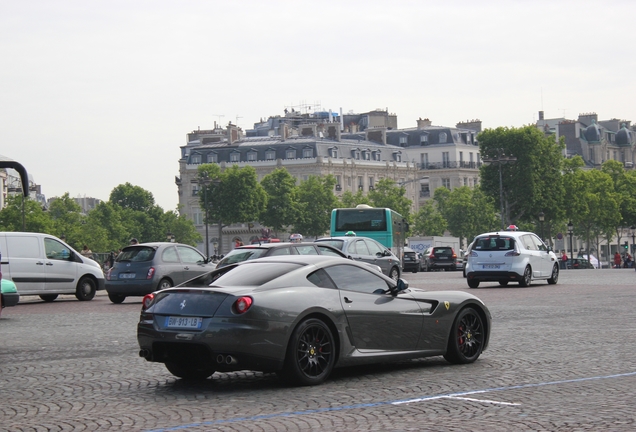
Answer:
[(220, 359)]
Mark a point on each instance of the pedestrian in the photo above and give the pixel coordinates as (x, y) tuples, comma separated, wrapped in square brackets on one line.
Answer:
[(134, 241), (564, 259), (86, 252), (617, 260)]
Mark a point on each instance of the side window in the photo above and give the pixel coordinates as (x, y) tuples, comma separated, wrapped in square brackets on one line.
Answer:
[(170, 255), (189, 255), (351, 278), (538, 243), (327, 251), (361, 248), (320, 278), (281, 251), (374, 248), (528, 243), (56, 250), (306, 250)]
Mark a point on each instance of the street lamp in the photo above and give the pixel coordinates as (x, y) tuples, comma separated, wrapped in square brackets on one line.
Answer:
[(541, 218), (570, 232), (170, 237), (204, 181), (633, 231), (500, 159)]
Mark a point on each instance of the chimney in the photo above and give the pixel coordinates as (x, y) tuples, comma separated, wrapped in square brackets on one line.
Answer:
[(540, 115), (376, 135), (421, 124)]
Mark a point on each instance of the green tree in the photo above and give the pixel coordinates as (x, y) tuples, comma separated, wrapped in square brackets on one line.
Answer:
[(66, 216), (531, 184), (469, 212), (132, 197), (428, 221), (30, 218), (181, 227), (351, 200), (316, 201), (387, 194), (282, 201)]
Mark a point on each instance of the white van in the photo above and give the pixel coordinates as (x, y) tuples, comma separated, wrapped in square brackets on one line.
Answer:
[(43, 265)]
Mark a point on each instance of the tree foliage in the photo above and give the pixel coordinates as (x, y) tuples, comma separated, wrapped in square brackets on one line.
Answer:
[(428, 221), (281, 209), (316, 200)]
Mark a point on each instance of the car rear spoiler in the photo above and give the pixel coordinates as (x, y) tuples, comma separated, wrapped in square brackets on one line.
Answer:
[(21, 170)]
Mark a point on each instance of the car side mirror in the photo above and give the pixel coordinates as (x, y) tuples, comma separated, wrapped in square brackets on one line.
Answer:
[(399, 287), (386, 252)]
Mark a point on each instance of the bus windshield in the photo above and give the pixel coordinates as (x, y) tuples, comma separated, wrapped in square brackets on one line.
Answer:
[(360, 220)]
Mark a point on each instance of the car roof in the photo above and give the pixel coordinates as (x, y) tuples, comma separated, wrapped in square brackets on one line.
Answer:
[(342, 238), (504, 232), (272, 245)]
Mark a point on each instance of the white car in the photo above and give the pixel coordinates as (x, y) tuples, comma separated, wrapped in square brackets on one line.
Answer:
[(511, 256)]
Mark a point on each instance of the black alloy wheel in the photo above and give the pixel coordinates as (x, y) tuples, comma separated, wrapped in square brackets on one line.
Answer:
[(311, 353), (394, 273), (467, 337), (526, 280)]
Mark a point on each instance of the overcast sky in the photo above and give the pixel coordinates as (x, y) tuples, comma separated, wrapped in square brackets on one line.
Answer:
[(98, 93)]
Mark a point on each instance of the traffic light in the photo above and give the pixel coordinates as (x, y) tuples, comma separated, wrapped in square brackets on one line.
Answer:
[(625, 246)]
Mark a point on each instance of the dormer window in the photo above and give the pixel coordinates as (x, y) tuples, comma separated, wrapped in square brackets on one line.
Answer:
[(235, 156), (397, 156), (443, 137), (403, 141), (270, 154), (195, 158), (355, 154), (308, 152), (423, 140), (213, 157), (252, 155), (376, 155), (290, 153)]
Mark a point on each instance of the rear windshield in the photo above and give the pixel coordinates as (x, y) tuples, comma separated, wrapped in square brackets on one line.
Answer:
[(136, 254), (494, 243), (240, 255), (333, 242), (254, 274), (443, 251)]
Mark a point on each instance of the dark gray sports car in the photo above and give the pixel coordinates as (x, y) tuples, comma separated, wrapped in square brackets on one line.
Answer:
[(301, 316)]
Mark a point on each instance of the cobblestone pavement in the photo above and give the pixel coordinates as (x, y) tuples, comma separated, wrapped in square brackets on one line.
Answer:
[(561, 358)]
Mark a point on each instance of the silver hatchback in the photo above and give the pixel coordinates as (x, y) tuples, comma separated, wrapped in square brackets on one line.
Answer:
[(510, 256)]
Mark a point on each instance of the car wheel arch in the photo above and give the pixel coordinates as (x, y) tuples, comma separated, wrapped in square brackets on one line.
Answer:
[(323, 316), (79, 289)]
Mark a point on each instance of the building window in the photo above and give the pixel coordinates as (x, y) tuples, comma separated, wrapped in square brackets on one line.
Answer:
[(308, 152), (251, 156), (235, 157), (290, 154), (465, 181), (592, 155), (197, 217), (195, 190), (461, 158), (270, 154), (446, 183), (366, 155), (403, 141), (424, 160), (349, 181), (423, 139), (360, 183), (338, 182), (356, 154), (195, 158), (442, 138), (397, 156), (445, 160), (213, 158), (333, 152), (371, 183)]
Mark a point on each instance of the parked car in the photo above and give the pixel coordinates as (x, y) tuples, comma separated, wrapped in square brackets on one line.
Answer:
[(303, 315), (410, 260), (250, 252), (511, 256), (9, 295), (43, 265), (367, 250), (578, 263), (439, 258), (465, 258), (143, 268)]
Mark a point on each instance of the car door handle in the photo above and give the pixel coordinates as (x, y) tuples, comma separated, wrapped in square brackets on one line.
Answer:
[(346, 299), (186, 268), (49, 263), (39, 263)]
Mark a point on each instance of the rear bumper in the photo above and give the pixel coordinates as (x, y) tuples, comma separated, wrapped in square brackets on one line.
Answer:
[(131, 288), (493, 276), (10, 299)]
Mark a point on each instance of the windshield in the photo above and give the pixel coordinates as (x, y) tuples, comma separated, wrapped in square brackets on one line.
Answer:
[(136, 254), (494, 243), (338, 244), (254, 274)]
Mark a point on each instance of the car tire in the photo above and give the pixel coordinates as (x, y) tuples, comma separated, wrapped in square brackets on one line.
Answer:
[(467, 337), (311, 353), (48, 297), (555, 275), (526, 279), (472, 283), (394, 273), (164, 283), (187, 371), (503, 283), (116, 298), (86, 289)]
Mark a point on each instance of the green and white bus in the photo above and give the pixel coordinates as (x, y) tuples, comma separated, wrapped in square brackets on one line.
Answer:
[(382, 224)]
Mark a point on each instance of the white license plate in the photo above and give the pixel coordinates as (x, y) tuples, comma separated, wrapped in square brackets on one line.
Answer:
[(492, 266), (126, 275), (443, 257), (184, 322)]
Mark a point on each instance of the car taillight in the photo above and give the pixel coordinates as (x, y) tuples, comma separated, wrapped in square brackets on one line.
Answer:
[(151, 273), (108, 274), (147, 301), (242, 304), (512, 253)]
